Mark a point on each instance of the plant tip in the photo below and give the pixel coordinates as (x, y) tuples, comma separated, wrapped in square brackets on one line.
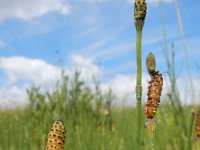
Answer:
[(151, 64), (140, 9), (56, 137)]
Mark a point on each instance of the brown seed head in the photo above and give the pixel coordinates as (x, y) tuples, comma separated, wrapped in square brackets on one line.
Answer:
[(154, 94), (56, 137)]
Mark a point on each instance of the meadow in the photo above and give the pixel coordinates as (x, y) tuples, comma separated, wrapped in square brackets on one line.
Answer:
[(93, 122)]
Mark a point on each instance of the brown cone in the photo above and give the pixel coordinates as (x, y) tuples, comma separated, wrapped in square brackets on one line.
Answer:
[(154, 94), (56, 137)]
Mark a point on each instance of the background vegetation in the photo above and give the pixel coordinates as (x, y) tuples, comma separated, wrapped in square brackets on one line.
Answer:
[(91, 121)]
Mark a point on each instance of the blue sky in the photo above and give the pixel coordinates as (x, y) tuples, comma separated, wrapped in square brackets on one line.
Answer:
[(37, 37)]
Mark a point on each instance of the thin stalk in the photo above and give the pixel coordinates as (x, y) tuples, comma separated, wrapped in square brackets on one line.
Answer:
[(150, 125), (185, 49), (189, 144), (140, 8), (139, 88), (166, 49)]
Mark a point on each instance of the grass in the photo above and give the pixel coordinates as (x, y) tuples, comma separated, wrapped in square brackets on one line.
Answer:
[(90, 120), (19, 131)]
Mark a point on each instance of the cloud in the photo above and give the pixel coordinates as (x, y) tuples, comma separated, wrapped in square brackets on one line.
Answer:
[(28, 9), (86, 66), (93, 1), (20, 68), (154, 1), (129, 1), (100, 1), (24, 72), (21, 72), (186, 92), (123, 86), (39, 72), (157, 1), (12, 97)]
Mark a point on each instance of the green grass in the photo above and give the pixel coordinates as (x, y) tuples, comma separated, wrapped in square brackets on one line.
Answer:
[(90, 120), (20, 131)]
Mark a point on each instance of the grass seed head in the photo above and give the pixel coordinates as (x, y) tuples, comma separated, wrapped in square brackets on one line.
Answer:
[(56, 137)]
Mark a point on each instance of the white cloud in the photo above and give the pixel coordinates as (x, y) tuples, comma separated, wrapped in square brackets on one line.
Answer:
[(96, 1), (86, 66), (93, 1), (130, 1), (28, 9), (153, 1), (186, 92), (26, 71), (12, 97), (157, 1), (123, 86), (37, 71)]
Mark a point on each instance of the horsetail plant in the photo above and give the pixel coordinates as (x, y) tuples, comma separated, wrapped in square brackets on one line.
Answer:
[(154, 89), (56, 137), (151, 68), (154, 94), (139, 17)]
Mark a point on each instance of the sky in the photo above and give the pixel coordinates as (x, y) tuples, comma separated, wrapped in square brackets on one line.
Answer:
[(39, 37)]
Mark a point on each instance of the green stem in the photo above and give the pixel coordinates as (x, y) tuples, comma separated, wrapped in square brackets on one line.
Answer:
[(150, 125), (189, 144), (138, 88)]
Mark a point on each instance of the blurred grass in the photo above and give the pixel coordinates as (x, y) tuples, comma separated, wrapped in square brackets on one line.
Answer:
[(91, 121)]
